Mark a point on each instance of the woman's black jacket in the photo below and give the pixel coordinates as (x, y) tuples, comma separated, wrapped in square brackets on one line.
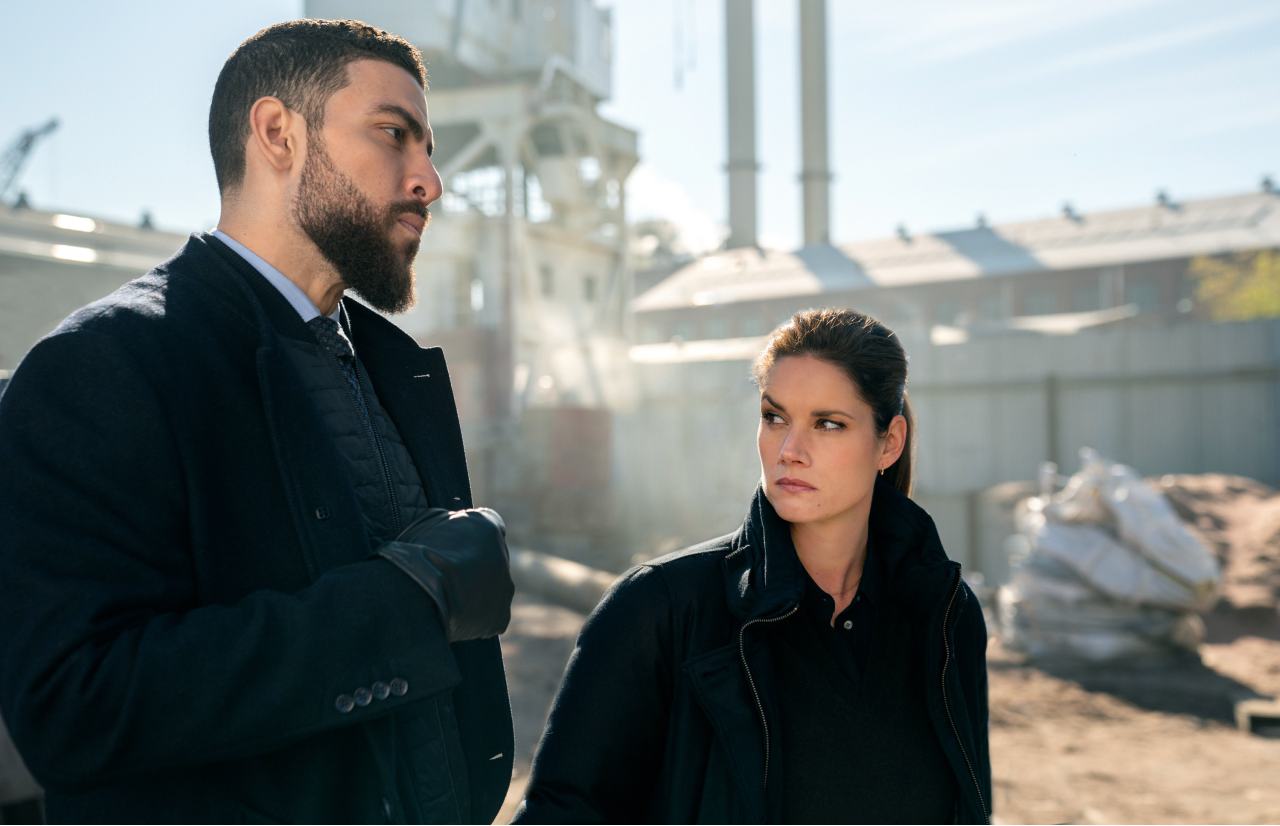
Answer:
[(668, 710)]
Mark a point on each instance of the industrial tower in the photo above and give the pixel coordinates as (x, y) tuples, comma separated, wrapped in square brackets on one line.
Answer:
[(523, 275)]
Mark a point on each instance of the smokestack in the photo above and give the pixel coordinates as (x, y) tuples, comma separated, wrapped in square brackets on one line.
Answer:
[(740, 81), (815, 174)]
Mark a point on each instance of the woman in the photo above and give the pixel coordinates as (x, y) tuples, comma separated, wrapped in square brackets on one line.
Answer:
[(825, 663)]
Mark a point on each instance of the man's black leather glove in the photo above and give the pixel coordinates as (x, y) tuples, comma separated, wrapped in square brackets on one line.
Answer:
[(460, 559)]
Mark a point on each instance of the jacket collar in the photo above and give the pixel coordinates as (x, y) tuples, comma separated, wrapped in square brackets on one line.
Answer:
[(281, 314), (917, 571), (763, 576), (276, 314)]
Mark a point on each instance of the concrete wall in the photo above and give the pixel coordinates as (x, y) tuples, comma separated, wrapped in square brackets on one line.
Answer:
[(1175, 398), (53, 264), (685, 459), (36, 295)]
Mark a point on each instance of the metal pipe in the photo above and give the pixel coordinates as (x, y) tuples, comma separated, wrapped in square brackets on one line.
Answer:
[(815, 172), (561, 581), (740, 87)]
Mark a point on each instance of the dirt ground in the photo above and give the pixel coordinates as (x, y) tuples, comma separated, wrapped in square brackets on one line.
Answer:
[(1149, 743), (1061, 753), (535, 649)]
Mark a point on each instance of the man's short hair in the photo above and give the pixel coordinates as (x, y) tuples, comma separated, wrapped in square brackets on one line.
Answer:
[(303, 63)]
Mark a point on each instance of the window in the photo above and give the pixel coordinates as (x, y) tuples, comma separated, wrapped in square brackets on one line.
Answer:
[(651, 332), (1146, 296), (716, 328), (750, 325), (1042, 303), (1186, 295), (906, 311), (1111, 285), (589, 287), (945, 310), (682, 330), (1086, 299), (547, 281), (991, 307), (465, 284)]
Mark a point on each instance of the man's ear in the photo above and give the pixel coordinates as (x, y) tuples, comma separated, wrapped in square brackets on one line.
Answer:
[(276, 134)]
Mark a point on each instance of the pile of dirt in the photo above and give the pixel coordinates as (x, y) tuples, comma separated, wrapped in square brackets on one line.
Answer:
[(1239, 519)]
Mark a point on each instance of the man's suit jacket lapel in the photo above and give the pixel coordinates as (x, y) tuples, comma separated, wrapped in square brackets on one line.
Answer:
[(413, 386), (322, 501)]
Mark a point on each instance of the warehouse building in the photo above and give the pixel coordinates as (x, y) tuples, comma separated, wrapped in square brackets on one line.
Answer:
[(1051, 275), (53, 263)]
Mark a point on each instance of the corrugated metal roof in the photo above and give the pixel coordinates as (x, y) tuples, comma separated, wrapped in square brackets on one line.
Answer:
[(1151, 233)]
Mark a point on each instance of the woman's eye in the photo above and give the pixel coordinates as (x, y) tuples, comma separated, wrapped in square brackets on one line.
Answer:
[(827, 424), (771, 418)]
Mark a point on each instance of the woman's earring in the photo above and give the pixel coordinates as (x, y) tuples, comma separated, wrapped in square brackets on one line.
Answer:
[(882, 471)]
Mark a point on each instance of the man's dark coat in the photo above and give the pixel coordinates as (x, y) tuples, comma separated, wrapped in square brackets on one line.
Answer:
[(184, 589), (659, 717)]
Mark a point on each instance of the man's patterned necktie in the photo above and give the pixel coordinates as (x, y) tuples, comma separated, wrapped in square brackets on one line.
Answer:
[(331, 337)]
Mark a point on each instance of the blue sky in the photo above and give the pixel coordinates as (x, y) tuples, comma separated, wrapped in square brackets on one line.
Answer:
[(940, 109)]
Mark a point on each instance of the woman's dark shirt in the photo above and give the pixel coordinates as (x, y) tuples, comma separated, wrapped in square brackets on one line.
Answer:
[(856, 741), (849, 641)]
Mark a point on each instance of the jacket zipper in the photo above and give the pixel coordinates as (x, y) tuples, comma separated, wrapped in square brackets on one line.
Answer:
[(367, 418), (947, 705), (742, 650)]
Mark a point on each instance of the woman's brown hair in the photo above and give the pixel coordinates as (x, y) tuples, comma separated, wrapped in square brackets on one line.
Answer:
[(869, 354)]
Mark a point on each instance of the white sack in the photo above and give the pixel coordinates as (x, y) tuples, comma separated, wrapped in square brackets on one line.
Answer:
[(1109, 494), (1044, 626), (1109, 567)]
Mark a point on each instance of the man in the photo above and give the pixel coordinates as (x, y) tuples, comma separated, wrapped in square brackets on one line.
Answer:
[(204, 614)]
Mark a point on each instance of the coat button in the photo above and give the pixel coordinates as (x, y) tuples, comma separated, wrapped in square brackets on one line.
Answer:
[(848, 625), (363, 697), (381, 691), (323, 513), (399, 686), (344, 703)]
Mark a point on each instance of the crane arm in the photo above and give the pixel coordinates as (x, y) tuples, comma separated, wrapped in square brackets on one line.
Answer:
[(15, 157)]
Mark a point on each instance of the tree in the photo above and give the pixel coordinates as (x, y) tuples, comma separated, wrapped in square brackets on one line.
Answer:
[(1239, 286)]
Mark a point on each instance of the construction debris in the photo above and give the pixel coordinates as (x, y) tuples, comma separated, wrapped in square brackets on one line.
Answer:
[(1261, 717), (1104, 569)]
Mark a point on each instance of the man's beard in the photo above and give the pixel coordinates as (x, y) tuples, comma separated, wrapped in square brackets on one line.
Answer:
[(355, 236)]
